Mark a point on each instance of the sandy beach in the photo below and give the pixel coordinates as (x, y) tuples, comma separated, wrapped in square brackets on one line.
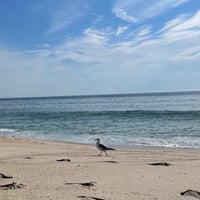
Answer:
[(81, 174)]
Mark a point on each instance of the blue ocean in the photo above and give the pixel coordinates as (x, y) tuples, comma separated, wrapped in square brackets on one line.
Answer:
[(131, 120)]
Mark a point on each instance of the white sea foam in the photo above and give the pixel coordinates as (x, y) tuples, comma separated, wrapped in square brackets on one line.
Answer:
[(6, 130)]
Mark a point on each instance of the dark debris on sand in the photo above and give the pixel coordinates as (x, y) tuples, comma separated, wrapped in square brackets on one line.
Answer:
[(160, 164), (87, 184), (62, 160), (89, 197), (29, 158), (109, 161), (192, 193), (4, 176), (12, 186)]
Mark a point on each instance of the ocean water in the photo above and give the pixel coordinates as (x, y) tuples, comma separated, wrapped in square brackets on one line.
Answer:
[(144, 120)]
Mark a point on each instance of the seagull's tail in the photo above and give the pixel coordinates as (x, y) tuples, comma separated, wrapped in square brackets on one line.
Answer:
[(111, 149)]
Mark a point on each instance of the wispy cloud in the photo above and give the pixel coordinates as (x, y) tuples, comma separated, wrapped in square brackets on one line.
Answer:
[(144, 31), (143, 52), (121, 29), (95, 37), (45, 45), (182, 28), (60, 15), (136, 11), (101, 56), (122, 14), (175, 22), (179, 2), (140, 51)]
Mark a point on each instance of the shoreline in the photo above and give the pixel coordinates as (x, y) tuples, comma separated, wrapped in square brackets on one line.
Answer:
[(114, 145), (55, 170)]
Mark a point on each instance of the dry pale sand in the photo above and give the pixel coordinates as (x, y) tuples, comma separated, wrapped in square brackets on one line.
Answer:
[(124, 174)]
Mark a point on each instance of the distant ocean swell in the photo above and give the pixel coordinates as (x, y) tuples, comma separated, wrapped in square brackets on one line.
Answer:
[(117, 114)]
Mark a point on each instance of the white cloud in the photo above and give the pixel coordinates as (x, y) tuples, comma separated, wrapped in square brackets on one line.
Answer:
[(45, 45), (95, 37), (121, 29), (142, 54), (191, 23), (145, 31), (63, 15), (174, 22), (122, 14), (179, 2), (182, 28), (94, 62), (136, 11)]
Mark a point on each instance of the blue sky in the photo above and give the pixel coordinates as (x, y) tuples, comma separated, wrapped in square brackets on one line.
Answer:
[(80, 47)]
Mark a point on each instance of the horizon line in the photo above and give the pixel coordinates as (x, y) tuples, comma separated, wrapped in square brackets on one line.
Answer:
[(179, 92)]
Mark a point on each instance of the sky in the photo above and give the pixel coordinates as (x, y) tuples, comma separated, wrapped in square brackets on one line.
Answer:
[(85, 47)]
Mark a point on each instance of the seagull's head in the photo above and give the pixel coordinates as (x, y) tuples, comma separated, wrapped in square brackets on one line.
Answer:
[(98, 140)]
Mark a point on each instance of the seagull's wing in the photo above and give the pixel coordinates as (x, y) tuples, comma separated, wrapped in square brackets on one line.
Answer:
[(103, 147)]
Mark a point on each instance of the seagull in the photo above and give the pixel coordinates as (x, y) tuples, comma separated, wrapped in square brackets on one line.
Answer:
[(102, 147)]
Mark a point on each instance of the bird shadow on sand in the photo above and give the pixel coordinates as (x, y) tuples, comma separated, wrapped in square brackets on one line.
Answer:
[(97, 155)]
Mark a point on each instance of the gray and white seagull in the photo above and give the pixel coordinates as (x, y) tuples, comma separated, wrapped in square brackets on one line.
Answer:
[(102, 147)]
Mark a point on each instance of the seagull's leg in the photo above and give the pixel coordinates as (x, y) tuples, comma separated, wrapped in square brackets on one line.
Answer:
[(106, 153), (100, 153)]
